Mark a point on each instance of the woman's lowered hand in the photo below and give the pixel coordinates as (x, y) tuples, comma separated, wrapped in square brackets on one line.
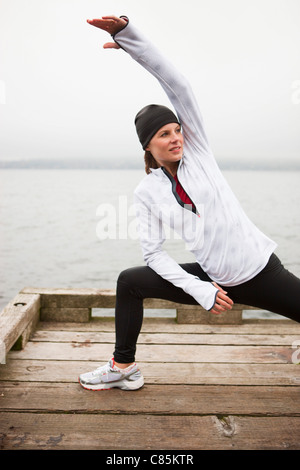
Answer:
[(223, 302), (110, 24)]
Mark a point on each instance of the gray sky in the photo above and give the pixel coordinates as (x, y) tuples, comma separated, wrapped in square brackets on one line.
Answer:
[(63, 96)]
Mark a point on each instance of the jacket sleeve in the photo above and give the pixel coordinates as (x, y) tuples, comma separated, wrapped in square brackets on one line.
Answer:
[(152, 237), (172, 81)]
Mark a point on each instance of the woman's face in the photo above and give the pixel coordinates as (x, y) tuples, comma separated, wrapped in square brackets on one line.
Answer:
[(166, 145)]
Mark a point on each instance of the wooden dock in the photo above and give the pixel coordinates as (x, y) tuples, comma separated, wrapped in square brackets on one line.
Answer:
[(210, 382)]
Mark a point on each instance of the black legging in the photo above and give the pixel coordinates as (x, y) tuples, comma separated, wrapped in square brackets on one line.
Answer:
[(274, 289)]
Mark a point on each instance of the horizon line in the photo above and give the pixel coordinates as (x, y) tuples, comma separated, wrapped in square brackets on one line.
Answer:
[(93, 164)]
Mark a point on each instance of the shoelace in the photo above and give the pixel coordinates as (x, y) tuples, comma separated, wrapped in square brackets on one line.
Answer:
[(101, 369), (104, 369)]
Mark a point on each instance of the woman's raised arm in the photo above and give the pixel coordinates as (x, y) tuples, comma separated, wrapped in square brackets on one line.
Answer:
[(172, 80)]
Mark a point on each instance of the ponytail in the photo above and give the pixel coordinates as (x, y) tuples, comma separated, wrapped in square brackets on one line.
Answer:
[(150, 162)]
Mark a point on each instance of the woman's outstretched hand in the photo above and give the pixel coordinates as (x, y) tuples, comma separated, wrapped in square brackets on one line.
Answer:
[(223, 302), (110, 24)]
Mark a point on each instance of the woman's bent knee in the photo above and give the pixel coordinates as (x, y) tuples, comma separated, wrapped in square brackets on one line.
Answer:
[(132, 276)]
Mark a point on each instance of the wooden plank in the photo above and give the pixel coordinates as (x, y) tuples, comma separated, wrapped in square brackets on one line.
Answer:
[(168, 325), (74, 297), (16, 317), (106, 298), (165, 338), (157, 373), (158, 353), (186, 399), (106, 432)]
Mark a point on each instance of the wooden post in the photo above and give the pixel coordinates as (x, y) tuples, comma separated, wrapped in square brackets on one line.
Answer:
[(77, 315), (18, 319)]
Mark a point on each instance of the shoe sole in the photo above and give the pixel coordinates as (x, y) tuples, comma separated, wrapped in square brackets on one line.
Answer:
[(123, 385)]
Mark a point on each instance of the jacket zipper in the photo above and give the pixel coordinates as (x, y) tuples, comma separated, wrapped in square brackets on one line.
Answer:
[(177, 197)]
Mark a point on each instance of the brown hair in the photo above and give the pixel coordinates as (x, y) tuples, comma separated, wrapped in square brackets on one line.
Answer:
[(150, 162)]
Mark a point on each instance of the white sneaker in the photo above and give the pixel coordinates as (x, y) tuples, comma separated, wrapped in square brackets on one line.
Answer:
[(109, 376)]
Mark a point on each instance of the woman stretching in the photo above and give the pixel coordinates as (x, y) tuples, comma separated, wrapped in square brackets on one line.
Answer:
[(185, 190)]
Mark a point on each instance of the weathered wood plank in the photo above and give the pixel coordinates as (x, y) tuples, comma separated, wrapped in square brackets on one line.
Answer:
[(99, 298), (166, 338), (74, 297), (16, 316), (158, 353), (186, 399), (92, 431), (157, 373), (169, 325)]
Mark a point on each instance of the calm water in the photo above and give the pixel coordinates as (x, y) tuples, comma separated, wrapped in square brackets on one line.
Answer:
[(50, 222)]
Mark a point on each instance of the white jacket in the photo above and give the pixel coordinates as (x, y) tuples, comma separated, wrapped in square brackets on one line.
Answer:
[(226, 244)]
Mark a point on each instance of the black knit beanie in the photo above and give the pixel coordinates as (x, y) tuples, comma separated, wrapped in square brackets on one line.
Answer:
[(150, 119)]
